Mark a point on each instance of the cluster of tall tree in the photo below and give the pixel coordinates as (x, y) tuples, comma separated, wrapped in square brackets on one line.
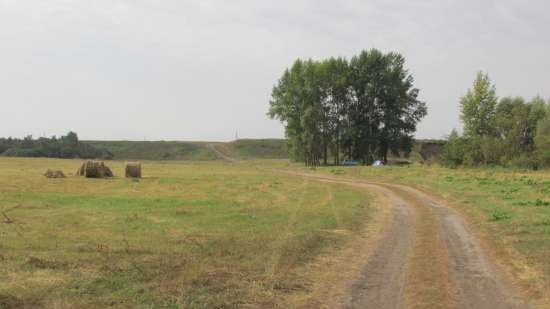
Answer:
[(63, 147), (360, 109), (509, 132)]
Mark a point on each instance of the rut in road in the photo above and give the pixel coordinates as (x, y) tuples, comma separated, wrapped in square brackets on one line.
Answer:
[(382, 282), (427, 258)]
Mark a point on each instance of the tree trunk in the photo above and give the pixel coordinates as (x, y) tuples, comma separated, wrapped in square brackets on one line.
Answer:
[(337, 152), (325, 155)]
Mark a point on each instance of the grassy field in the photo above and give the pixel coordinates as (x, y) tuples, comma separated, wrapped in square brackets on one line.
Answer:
[(187, 235), (229, 235), (510, 208)]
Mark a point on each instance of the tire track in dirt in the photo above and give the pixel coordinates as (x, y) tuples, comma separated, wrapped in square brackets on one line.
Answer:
[(428, 265), (428, 258), (479, 283), (379, 282), (382, 280)]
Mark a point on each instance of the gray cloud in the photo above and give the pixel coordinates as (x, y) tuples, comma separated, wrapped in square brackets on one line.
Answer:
[(122, 69)]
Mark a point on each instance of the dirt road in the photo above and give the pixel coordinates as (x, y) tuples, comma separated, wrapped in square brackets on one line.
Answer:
[(427, 258), (220, 154)]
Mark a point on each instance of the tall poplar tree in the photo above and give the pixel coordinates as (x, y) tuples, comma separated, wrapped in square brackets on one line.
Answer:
[(478, 107)]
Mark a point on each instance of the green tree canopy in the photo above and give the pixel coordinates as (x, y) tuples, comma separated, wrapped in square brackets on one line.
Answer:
[(513, 132), (478, 107), (361, 109)]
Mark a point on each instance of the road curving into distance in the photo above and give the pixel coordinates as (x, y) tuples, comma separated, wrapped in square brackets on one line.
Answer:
[(427, 258)]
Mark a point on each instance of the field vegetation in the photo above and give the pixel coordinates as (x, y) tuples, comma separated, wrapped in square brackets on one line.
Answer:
[(187, 235), (230, 235)]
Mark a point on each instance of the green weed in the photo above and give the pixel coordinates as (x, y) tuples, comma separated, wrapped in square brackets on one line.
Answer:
[(498, 215)]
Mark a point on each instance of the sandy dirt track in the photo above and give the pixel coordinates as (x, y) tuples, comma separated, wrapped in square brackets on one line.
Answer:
[(427, 258)]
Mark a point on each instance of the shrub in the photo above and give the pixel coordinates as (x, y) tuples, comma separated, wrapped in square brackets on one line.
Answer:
[(453, 151), (525, 161), (542, 142), (473, 155), (491, 149), (498, 215)]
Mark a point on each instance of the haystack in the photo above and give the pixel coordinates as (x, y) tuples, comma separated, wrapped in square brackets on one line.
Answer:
[(133, 170), (94, 169), (54, 174)]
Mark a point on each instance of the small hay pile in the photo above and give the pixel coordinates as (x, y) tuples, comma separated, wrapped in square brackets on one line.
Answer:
[(133, 170), (54, 174), (94, 169)]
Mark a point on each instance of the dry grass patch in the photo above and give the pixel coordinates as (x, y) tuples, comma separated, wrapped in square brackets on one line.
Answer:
[(190, 235)]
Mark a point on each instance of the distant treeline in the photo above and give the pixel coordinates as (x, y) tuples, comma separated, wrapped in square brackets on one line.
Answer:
[(54, 147), (508, 132), (359, 109)]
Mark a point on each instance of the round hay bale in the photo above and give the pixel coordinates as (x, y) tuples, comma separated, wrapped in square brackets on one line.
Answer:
[(133, 170), (82, 169), (54, 174), (94, 169), (103, 171)]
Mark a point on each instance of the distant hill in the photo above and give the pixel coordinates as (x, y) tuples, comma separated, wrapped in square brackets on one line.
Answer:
[(242, 149), (259, 148), (196, 151)]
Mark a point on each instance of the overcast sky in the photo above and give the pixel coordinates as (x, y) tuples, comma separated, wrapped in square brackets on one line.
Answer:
[(202, 69)]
